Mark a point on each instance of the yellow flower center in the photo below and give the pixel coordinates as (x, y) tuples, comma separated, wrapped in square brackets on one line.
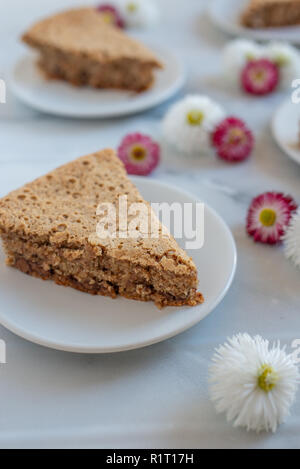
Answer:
[(268, 217), (236, 136), (259, 75), (108, 17), (250, 56), (267, 378), (132, 7), (281, 60), (195, 117), (138, 153)]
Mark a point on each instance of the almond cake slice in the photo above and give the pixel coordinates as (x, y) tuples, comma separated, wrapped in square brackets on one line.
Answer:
[(271, 13), (49, 230), (79, 47)]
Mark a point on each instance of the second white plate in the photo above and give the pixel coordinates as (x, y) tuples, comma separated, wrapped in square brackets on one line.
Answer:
[(65, 319), (63, 99), (286, 129), (226, 15)]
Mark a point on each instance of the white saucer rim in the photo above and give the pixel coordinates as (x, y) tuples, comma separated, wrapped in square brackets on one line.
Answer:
[(278, 141), (83, 349)]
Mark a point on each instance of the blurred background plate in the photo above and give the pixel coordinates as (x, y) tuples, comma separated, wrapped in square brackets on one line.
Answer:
[(62, 99), (226, 14), (286, 129)]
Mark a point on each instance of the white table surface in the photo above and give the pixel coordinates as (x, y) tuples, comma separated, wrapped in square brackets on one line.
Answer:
[(155, 397)]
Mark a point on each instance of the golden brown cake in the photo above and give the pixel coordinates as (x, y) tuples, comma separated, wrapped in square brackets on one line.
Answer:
[(49, 230), (79, 47), (271, 13)]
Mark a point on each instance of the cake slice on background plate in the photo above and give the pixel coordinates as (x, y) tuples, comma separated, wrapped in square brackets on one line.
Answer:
[(271, 13), (79, 47), (49, 230)]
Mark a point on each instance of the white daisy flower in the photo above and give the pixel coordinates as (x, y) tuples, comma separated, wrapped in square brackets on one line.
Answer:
[(189, 123), (236, 54), (253, 382), (139, 13), (292, 240), (287, 58)]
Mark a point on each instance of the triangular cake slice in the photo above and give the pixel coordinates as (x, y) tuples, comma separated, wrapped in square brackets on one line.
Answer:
[(49, 229), (79, 47), (271, 13)]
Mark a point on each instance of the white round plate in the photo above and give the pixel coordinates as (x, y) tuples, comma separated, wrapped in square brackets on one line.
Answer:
[(286, 129), (65, 319), (63, 99), (226, 15)]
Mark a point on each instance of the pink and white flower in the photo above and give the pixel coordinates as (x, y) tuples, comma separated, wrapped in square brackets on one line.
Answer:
[(236, 55), (260, 77), (253, 382), (189, 123), (139, 153), (278, 58), (269, 216), (233, 140)]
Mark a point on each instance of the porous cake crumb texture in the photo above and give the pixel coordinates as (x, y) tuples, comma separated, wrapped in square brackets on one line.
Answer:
[(79, 47), (48, 228)]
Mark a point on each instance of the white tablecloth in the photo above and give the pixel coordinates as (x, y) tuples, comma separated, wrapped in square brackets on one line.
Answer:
[(155, 397)]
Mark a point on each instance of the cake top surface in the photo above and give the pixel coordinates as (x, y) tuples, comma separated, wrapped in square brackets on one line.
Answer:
[(83, 31), (62, 208)]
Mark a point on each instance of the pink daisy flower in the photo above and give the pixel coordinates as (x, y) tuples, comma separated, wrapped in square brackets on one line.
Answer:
[(111, 15), (269, 216), (260, 77), (139, 153), (233, 140)]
